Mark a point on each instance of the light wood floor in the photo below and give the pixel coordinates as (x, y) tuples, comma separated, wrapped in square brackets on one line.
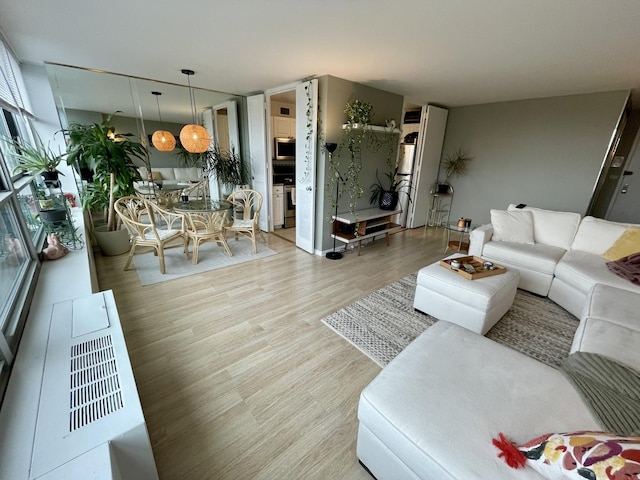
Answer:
[(238, 377)]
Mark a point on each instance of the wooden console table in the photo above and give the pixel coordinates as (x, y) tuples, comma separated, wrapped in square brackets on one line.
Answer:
[(356, 227)]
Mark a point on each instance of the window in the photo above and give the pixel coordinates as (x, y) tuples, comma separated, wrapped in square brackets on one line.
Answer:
[(20, 230)]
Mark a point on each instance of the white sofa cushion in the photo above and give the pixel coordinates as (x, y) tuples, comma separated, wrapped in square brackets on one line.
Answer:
[(512, 226), (187, 173), (608, 339), (610, 325), (437, 405), (539, 258), (557, 229), (627, 244), (583, 270), (596, 235)]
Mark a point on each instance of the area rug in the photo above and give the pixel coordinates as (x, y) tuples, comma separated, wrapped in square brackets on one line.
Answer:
[(383, 323), (210, 257)]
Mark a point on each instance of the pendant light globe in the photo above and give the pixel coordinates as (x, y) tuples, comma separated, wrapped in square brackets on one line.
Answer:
[(193, 137), (163, 140)]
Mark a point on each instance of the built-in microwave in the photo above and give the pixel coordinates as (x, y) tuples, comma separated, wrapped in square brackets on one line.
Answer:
[(284, 149)]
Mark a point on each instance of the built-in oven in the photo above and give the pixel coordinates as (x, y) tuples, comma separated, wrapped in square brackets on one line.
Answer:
[(289, 206)]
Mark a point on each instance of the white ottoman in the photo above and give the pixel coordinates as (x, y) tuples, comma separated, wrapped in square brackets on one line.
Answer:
[(474, 304)]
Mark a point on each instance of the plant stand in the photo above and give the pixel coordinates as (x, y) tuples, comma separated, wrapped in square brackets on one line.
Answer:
[(56, 218)]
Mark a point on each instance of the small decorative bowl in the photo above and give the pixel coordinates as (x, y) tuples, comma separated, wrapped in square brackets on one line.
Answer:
[(455, 264)]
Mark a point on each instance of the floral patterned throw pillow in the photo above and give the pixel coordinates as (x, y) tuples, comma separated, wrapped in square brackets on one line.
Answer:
[(584, 455)]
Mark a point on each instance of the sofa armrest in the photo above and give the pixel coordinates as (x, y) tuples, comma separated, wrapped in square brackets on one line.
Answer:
[(478, 238)]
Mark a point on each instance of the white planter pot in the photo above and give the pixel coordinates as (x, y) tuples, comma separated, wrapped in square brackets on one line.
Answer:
[(112, 243)]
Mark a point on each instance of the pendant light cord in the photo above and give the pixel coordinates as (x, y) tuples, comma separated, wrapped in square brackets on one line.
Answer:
[(192, 99), (157, 94)]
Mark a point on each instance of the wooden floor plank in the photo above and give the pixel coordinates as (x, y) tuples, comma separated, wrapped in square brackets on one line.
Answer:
[(238, 377)]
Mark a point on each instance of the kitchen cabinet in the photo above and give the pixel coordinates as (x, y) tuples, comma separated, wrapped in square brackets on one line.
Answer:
[(283, 127), (278, 206)]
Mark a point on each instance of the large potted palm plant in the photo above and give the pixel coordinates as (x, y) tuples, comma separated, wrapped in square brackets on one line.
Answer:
[(110, 156)]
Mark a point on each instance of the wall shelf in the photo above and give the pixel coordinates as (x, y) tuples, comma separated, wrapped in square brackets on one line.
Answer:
[(370, 128)]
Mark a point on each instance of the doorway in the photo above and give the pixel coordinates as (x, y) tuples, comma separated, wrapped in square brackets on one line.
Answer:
[(282, 127)]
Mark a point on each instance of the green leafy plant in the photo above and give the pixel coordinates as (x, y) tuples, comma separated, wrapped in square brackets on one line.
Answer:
[(226, 165), (358, 112), (109, 155), (390, 184), (190, 159), (455, 165), (33, 159), (355, 139)]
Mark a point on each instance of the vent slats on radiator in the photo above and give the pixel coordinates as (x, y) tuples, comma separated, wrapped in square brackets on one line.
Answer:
[(95, 383)]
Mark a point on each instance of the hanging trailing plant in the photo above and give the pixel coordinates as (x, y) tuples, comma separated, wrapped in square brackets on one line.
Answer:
[(356, 136), (306, 171)]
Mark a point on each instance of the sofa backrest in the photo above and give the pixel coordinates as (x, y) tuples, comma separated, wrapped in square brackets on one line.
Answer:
[(556, 229), (596, 235), (172, 173)]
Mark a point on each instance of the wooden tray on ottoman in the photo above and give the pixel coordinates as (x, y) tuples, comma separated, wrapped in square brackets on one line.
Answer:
[(475, 262)]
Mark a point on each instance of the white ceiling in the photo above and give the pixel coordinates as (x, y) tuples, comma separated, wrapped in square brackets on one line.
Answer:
[(449, 52)]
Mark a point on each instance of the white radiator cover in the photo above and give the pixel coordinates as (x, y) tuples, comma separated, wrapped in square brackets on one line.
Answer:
[(90, 422)]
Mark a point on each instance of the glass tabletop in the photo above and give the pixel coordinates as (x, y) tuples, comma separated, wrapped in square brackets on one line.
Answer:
[(202, 206), (455, 228)]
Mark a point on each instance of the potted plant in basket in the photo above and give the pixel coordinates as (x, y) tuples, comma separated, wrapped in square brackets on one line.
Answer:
[(227, 166), (109, 155), (387, 192)]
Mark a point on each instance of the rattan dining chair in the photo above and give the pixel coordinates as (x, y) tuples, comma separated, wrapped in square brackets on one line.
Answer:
[(166, 198), (246, 215), (198, 191), (204, 227), (150, 226), (146, 190)]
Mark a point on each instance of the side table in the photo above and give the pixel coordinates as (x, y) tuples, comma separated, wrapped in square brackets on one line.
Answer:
[(458, 244)]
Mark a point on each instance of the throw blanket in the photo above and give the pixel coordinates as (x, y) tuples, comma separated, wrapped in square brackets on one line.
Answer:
[(627, 267), (611, 390)]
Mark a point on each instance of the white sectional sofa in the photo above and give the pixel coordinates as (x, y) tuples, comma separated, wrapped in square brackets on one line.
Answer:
[(564, 260), (173, 175), (433, 411)]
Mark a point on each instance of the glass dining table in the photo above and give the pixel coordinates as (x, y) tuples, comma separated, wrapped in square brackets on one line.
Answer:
[(205, 220)]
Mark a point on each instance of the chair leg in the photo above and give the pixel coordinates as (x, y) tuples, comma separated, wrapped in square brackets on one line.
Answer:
[(194, 257), (253, 240), (130, 257), (224, 243), (160, 253)]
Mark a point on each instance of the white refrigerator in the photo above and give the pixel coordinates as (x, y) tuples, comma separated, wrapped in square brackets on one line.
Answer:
[(405, 175)]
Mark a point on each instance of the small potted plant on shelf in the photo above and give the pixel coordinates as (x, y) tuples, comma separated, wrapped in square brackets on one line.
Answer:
[(387, 193), (36, 160), (358, 113)]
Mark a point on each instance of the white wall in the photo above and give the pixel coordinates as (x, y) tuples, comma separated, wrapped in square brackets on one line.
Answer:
[(543, 152)]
